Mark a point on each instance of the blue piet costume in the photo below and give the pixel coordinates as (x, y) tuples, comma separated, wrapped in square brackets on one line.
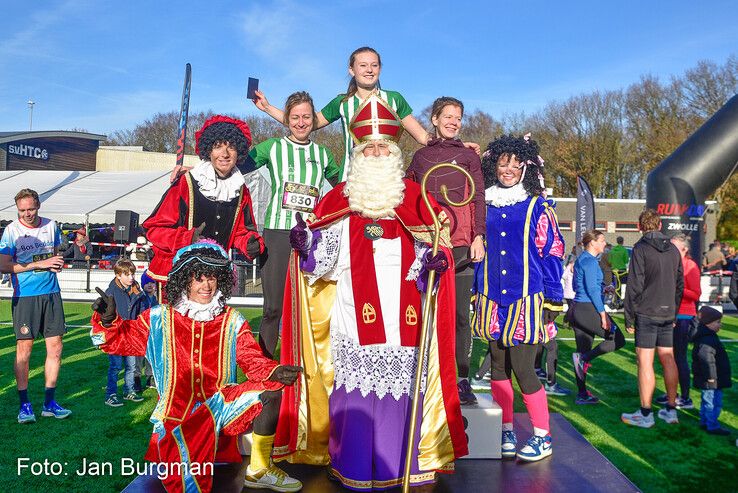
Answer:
[(518, 285), (522, 270)]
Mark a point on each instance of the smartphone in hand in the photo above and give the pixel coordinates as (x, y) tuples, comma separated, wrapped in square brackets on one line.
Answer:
[(253, 86)]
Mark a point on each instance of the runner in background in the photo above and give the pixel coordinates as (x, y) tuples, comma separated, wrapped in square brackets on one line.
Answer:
[(29, 251)]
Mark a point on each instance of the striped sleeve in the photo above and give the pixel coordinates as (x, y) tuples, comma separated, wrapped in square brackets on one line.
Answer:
[(399, 104), (332, 111), (260, 153)]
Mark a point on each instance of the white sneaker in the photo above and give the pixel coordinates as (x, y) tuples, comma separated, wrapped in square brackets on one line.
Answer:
[(638, 419), (272, 478), (668, 415)]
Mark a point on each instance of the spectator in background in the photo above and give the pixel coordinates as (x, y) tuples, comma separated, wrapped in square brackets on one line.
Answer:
[(29, 252), (711, 369), (685, 318), (655, 285), (130, 302), (604, 260), (143, 367), (78, 249), (619, 258), (714, 258), (587, 314)]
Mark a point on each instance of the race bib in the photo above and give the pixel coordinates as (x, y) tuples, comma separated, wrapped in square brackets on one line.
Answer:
[(299, 197), (41, 256)]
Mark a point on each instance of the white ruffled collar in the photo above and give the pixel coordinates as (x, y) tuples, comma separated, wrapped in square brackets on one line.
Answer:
[(498, 196), (197, 311), (216, 188)]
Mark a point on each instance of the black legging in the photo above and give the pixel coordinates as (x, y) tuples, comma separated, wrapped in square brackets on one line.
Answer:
[(274, 263), (552, 359), (266, 422), (464, 282), (681, 345), (518, 360), (586, 322)]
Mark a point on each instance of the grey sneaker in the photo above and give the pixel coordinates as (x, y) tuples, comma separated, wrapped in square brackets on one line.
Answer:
[(669, 415), (132, 396), (555, 389), (113, 401), (638, 419)]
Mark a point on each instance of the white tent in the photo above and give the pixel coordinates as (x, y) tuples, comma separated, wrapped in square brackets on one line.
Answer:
[(85, 196)]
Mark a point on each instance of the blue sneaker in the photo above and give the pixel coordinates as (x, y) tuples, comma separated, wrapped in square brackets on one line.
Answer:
[(26, 414), (509, 444), (54, 410), (536, 448)]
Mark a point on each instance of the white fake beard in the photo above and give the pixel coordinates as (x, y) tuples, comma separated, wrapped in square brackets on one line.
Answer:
[(374, 186)]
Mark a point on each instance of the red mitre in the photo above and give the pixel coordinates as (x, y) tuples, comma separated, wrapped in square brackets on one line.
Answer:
[(375, 120)]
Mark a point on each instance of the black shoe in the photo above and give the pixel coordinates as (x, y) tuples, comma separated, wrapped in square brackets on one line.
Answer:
[(150, 383), (466, 396), (662, 400), (719, 431)]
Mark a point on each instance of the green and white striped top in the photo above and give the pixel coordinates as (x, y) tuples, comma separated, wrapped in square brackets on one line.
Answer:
[(338, 108), (297, 172)]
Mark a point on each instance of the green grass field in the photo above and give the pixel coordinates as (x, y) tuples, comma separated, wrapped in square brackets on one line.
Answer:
[(666, 458)]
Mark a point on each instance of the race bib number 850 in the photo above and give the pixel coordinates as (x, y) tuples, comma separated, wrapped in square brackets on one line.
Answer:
[(299, 197)]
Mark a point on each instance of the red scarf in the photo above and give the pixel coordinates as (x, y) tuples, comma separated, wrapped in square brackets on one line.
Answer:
[(369, 318)]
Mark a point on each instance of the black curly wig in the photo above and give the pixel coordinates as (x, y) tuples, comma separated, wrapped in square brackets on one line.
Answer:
[(526, 151), (179, 281), (223, 132)]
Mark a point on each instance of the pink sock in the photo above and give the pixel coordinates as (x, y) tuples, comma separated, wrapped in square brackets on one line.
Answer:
[(537, 405), (502, 393)]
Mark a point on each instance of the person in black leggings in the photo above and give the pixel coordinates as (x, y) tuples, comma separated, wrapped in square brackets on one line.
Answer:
[(587, 315)]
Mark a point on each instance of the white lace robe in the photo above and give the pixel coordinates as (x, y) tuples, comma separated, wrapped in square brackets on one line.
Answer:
[(383, 369)]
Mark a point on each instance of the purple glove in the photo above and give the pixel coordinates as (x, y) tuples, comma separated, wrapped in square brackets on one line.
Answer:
[(437, 262), (300, 236)]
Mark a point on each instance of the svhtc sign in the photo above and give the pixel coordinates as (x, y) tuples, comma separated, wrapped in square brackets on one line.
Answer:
[(28, 151)]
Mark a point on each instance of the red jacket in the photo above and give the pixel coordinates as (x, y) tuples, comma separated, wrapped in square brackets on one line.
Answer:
[(692, 287)]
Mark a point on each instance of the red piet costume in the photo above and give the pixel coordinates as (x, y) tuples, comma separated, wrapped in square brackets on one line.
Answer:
[(221, 205), (173, 222), (201, 409)]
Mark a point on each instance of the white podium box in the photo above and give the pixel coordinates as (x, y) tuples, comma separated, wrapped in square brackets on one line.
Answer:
[(484, 428)]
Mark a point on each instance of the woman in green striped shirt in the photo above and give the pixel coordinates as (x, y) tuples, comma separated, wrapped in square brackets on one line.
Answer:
[(298, 169), (365, 65)]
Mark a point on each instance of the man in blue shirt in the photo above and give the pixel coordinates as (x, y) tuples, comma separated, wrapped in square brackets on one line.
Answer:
[(29, 253)]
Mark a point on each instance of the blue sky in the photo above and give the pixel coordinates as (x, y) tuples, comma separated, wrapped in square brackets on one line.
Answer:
[(107, 65)]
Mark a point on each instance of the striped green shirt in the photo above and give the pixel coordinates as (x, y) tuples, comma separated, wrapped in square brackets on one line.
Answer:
[(338, 108), (297, 172)]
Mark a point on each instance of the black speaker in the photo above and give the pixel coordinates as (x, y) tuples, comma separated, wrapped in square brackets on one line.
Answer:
[(126, 226)]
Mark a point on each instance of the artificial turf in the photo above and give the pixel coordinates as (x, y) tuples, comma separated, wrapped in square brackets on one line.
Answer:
[(665, 458)]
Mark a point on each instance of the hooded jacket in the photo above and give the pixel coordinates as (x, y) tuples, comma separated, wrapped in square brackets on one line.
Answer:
[(655, 279), (709, 360)]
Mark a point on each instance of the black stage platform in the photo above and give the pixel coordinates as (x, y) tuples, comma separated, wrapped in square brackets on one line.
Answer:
[(575, 466)]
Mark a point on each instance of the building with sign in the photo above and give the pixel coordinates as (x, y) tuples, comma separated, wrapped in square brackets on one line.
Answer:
[(49, 150)]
